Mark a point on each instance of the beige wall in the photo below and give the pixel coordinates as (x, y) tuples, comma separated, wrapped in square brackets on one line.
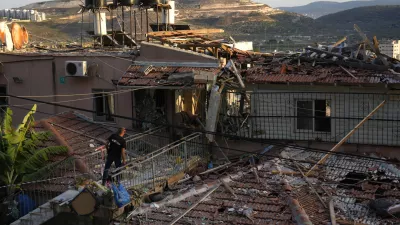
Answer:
[(39, 79)]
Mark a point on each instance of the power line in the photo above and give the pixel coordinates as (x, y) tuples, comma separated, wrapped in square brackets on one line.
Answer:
[(217, 134), (329, 166)]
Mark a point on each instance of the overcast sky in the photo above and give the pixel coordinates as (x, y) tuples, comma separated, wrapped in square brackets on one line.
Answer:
[(274, 3)]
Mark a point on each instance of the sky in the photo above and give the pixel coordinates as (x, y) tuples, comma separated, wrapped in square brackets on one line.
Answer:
[(6, 4), (277, 3), (274, 3)]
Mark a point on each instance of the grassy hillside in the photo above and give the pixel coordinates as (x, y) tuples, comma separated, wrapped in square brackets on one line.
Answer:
[(322, 8), (375, 20)]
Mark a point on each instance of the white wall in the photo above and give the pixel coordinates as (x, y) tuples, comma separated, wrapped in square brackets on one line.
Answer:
[(275, 113)]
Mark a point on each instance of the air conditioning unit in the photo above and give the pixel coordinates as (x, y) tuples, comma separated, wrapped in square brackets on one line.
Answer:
[(76, 68)]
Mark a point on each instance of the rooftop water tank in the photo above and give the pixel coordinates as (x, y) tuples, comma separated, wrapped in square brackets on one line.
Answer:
[(149, 2), (128, 2), (95, 4)]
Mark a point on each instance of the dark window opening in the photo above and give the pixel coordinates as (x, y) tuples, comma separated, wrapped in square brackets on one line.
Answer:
[(304, 115), (314, 115), (104, 107), (322, 116)]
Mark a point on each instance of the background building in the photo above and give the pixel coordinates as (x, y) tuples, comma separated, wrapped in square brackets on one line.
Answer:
[(391, 49)]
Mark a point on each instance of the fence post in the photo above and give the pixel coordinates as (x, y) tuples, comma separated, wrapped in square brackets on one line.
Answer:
[(186, 154), (153, 171)]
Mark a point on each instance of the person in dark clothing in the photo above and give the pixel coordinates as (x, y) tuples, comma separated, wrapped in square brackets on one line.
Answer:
[(116, 146)]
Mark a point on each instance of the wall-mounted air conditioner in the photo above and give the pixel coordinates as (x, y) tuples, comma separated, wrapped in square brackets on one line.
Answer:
[(76, 68)]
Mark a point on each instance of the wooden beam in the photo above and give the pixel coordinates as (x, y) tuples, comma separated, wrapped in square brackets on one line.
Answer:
[(332, 212), (376, 45), (348, 72), (189, 45), (228, 188), (368, 42), (308, 182), (194, 205), (358, 50), (237, 74), (341, 142), (339, 42), (186, 32)]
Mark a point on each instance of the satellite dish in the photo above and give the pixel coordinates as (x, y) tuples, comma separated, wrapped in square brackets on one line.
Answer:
[(17, 34), (5, 36), (26, 35)]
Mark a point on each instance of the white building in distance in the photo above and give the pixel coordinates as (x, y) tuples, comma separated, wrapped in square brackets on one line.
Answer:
[(391, 49)]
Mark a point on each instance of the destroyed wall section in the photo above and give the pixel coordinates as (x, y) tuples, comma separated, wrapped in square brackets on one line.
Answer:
[(41, 74), (273, 113), (160, 53)]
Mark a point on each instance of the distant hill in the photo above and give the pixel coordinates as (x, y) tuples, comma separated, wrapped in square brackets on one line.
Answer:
[(55, 4), (244, 18), (322, 8), (382, 21)]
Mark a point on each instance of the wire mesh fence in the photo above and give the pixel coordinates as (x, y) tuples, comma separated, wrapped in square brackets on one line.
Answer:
[(147, 142), (157, 167), (311, 116)]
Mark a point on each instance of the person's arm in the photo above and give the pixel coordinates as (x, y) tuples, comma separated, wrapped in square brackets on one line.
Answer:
[(123, 152), (123, 156)]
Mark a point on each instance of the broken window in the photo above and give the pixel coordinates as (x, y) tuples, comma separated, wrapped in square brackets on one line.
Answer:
[(314, 115), (104, 106)]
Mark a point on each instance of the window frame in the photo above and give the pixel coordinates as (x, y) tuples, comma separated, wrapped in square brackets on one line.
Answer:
[(313, 116), (102, 118)]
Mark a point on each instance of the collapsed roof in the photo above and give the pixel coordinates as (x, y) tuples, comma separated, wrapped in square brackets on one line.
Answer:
[(276, 192)]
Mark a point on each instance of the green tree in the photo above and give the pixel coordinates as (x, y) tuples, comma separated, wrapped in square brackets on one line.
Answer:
[(22, 158)]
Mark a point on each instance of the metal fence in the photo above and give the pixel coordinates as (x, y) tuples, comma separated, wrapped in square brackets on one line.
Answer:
[(156, 168), (137, 145), (21, 199), (310, 116), (148, 141)]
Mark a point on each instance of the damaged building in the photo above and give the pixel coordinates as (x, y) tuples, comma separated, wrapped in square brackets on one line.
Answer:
[(217, 134)]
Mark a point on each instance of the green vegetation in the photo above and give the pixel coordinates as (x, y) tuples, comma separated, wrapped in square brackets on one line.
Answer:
[(21, 154)]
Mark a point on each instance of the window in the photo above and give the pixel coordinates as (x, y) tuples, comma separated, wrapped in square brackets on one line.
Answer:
[(104, 106), (314, 115)]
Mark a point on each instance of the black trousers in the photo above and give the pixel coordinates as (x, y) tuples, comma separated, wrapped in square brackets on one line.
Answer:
[(110, 160)]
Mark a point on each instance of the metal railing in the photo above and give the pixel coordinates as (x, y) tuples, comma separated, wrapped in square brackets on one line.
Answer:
[(156, 168), (21, 199), (153, 166), (137, 145), (309, 116), (148, 141)]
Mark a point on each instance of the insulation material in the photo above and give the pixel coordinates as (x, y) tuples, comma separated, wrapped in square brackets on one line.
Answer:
[(213, 111), (5, 36)]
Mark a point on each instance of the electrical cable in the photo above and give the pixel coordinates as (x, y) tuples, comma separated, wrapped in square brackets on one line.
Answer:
[(250, 140), (179, 127)]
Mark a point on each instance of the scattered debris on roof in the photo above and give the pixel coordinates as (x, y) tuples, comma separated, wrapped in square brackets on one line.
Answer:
[(185, 75), (363, 191)]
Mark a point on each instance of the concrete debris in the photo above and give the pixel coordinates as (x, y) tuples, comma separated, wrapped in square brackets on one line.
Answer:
[(196, 178)]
